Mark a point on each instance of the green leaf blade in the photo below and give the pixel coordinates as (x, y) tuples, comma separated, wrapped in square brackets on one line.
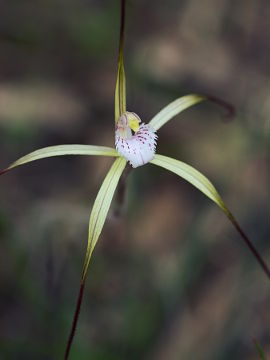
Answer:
[(101, 207), (175, 108), (61, 150)]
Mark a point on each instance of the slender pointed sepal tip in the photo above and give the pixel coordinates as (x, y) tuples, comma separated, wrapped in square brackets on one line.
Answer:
[(2, 172), (227, 106), (248, 243)]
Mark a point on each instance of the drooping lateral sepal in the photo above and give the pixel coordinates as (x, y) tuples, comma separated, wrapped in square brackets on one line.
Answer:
[(198, 180), (101, 207), (191, 175)]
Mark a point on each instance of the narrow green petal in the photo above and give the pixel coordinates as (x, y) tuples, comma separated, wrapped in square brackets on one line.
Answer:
[(193, 176), (101, 208), (120, 89), (60, 150), (175, 108)]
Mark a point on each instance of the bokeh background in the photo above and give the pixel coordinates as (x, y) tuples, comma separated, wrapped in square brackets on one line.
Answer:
[(170, 277)]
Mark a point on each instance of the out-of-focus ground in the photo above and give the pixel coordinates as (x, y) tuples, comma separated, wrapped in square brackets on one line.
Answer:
[(170, 277)]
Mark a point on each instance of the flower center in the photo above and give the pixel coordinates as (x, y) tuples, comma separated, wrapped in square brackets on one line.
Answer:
[(127, 122), (134, 140)]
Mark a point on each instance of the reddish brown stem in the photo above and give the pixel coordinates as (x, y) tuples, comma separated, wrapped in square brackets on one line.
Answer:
[(75, 320), (251, 247), (122, 26)]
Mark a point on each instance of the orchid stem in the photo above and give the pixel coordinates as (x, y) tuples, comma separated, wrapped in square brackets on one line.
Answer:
[(121, 191), (122, 108), (75, 319)]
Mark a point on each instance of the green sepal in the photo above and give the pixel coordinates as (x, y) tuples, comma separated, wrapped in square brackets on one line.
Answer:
[(193, 176), (120, 89), (61, 150), (175, 108), (101, 207)]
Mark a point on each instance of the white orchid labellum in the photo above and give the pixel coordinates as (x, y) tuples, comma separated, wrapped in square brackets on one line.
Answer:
[(135, 141)]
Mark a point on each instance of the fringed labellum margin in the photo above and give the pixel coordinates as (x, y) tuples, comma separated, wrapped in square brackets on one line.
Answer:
[(135, 141)]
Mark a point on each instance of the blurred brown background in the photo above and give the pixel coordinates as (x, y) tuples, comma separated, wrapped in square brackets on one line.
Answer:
[(170, 277)]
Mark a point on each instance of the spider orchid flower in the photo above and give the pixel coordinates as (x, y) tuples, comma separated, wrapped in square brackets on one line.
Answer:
[(135, 143)]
